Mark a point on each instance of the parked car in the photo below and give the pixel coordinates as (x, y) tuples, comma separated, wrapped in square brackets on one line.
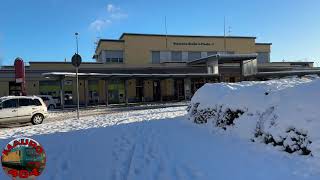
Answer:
[(20, 109), (49, 101)]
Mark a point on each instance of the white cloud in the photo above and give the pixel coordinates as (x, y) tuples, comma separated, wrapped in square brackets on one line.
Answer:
[(119, 15), (114, 13), (112, 8), (99, 24)]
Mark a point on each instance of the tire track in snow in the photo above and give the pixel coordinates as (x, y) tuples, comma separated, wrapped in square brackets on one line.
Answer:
[(123, 150)]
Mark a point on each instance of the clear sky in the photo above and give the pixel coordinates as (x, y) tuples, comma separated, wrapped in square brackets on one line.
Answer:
[(43, 30)]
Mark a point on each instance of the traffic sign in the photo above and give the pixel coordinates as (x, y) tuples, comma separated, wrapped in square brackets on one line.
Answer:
[(76, 60)]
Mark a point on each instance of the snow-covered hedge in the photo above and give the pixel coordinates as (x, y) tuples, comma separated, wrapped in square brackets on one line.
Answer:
[(284, 112)]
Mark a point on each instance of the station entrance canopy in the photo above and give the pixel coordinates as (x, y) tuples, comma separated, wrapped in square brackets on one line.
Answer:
[(247, 62), (126, 77)]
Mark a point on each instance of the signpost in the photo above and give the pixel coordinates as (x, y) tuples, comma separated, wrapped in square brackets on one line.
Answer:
[(76, 61)]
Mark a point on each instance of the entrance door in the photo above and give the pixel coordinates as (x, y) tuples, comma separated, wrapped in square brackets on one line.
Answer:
[(156, 90), (197, 84), (15, 88), (139, 90), (179, 89)]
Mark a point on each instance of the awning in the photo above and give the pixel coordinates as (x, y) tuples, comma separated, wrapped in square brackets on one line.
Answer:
[(225, 58), (119, 75)]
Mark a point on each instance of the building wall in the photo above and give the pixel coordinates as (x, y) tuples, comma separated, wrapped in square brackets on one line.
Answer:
[(110, 45), (4, 88), (138, 48), (263, 47), (131, 89), (32, 88)]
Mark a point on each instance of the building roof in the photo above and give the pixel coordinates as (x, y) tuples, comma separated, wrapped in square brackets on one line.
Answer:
[(173, 35), (108, 40), (112, 40), (279, 74), (292, 62), (263, 43), (60, 62)]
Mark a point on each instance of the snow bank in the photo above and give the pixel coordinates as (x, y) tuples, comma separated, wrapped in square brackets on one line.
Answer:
[(285, 109)]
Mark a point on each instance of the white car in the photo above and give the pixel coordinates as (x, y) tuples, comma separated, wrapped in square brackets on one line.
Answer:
[(49, 101), (21, 109)]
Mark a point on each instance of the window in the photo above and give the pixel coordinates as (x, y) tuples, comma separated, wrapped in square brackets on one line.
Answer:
[(165, 56), (210, 70), (114, 56), (139, 83), (176, 55), (11, 103), (35, 102), (263, 57), (210, 53), (155, 57), (232, 79), (115, 60), (25, 102), (31, 152), (194, 55), (225, 52)]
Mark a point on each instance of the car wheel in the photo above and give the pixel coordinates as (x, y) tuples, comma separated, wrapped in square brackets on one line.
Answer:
[(51, 107), (37, 119)]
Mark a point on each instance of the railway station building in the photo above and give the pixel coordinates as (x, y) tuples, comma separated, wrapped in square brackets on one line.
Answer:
[(151, 67)]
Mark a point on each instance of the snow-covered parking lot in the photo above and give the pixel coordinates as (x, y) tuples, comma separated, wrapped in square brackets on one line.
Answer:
[(155, 144)]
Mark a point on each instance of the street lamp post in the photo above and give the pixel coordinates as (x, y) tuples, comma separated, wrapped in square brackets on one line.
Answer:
[(77, 69), (76, 61)]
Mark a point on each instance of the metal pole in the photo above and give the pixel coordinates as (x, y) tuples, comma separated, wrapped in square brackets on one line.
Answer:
[(224, 35), (77, 42), (77, 69), (77, 93), (62, 93), (165, 26)]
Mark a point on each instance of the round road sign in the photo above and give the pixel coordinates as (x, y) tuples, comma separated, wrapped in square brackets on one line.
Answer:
[(76, 60)]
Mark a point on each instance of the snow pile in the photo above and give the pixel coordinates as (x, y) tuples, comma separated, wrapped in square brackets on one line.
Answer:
[(282, 112)]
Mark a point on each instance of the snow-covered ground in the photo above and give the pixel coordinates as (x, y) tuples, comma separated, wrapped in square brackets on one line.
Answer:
[(155, 144), (93, 122)]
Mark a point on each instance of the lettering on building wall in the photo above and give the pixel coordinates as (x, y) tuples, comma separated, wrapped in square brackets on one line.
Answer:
[(192, 44)]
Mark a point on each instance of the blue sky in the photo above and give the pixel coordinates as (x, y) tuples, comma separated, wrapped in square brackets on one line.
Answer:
[(39, 30)]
